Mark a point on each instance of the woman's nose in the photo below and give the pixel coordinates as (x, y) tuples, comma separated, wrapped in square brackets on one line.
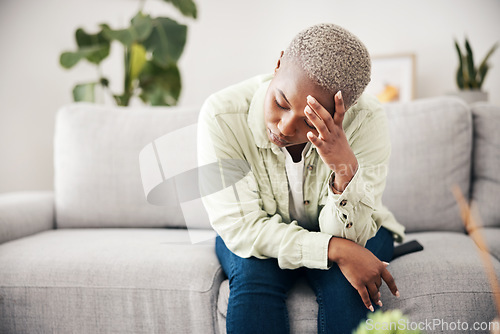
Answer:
[(287, 126)]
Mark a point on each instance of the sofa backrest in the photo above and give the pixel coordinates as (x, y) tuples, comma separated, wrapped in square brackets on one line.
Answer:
[(98, 182), (96, 161), (431, 152), (486, 163)]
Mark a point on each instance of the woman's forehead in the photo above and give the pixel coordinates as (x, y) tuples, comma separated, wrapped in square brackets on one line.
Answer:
[(295, 84)]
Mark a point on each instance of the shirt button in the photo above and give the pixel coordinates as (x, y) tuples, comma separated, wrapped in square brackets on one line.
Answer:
[(349, 225), (343, 202), (310, 167), (306, 202)]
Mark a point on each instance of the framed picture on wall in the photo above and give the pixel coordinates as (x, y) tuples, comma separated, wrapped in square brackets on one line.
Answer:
[(393, 78)]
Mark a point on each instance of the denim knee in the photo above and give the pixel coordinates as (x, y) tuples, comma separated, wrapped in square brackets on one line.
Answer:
[(260, 273), (258, 292)]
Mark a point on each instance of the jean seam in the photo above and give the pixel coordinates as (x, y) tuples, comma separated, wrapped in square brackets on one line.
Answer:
[(230, 274), (319, 300), (287, 322)]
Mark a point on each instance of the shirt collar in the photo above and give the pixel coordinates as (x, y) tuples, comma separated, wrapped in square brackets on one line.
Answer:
[(305, 152), (256, 121)]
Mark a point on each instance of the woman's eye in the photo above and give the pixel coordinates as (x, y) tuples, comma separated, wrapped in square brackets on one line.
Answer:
[(279, 105), (309, 125)]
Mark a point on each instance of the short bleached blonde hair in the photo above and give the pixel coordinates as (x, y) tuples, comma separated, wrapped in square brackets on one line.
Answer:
[(334, 58)]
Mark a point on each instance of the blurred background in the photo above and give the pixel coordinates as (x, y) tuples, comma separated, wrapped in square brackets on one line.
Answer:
[(229, 41)]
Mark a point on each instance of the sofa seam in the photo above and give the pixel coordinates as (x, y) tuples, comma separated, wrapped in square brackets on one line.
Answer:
[(212, 284), (99, 288), (446, 293)]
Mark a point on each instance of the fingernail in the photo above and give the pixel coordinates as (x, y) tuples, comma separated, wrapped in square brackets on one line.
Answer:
[(397, 294), (371, 308), (308, 110), (311, 99), (380, 303), (339, 95), (386, 263)]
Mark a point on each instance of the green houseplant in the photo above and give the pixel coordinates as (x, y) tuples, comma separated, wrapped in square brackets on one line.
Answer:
[(151, 46), (470, 78)]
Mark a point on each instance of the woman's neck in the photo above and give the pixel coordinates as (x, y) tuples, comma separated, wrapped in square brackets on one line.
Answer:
[(296, 151)]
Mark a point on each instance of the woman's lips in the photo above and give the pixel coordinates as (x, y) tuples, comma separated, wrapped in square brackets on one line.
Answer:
[(276, 140)]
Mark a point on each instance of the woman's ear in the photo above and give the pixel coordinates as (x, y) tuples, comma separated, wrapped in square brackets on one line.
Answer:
[(279, 63)]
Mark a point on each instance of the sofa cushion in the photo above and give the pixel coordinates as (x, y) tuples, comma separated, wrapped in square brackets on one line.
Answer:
[(25, 213), (96, 162), (108, 280), (445, 281), (431, 152), (491, 236), (485, 174)]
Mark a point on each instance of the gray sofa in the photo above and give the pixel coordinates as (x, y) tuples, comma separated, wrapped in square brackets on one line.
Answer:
[(95, 257)]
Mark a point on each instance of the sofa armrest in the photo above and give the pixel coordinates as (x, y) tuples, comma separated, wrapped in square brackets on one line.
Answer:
[(25, 213)]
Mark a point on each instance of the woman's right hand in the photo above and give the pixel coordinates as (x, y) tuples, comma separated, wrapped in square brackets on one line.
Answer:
[(362, 269)]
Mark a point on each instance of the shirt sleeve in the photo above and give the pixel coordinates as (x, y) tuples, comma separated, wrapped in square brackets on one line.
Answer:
[(231, 197), (349, 214)]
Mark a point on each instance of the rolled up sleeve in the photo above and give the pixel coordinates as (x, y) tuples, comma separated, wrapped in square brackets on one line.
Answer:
[(349, 214)]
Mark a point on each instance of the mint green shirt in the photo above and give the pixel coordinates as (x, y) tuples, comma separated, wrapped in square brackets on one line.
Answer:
[(252, 216)]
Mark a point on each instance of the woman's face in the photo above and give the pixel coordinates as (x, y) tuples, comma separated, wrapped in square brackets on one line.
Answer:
[(285, 101)]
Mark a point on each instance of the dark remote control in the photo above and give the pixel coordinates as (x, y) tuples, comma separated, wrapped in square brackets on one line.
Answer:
[(407, 248)]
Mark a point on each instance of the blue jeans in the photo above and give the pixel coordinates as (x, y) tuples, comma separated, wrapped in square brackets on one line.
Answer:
[(258, 292)]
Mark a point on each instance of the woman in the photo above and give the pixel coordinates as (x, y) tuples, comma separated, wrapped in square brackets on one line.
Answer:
[(302, 158)]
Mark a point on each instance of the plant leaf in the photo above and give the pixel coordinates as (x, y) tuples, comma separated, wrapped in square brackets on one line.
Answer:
[(123, 36), (84, 39), (186, 7), (483, 70), (122, 100), (140, 28), (143, 25), (470, 65), (460, 71), (160, 86), (467, 83), (70, 59), (460, 78), (98, 41), (84, 92), (137, 60), (166, 41), (483, 67)]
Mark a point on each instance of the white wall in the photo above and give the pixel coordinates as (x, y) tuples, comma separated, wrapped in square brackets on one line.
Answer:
[(230, 41)]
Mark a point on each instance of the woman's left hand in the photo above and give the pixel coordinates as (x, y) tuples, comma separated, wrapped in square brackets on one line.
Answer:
[(331, 141), (362, 269)]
